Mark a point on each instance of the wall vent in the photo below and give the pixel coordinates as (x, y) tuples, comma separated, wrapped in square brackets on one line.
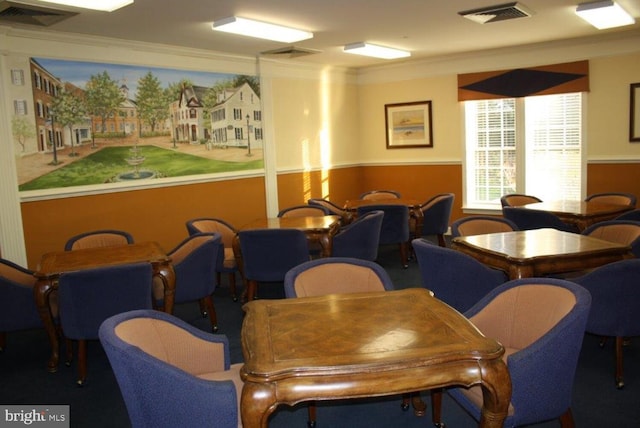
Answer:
[(18, 13), (290, 52), (501, 12)]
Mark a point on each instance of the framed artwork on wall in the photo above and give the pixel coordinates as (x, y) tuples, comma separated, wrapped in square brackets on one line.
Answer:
[(634, 113), (409, 125)]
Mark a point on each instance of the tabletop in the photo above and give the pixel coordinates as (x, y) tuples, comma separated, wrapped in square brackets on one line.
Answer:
[(397, 342), (580, 213), (307, 223)]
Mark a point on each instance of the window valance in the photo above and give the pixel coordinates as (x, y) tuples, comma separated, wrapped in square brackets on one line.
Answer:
[(524, 82)]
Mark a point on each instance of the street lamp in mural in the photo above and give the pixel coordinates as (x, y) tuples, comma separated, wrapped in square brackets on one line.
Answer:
[(50, 122), (248, 137)]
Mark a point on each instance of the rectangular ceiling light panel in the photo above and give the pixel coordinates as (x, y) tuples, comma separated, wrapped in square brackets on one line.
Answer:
[(367, 49), (261, 30), (103, 5), (604, 14)]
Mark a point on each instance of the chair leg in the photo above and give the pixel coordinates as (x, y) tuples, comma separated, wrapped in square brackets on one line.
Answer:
[(436, 408), (619, 363), (566, 420), (82, 362), (252, 287), (404, 256), (3, 340), (311, 410), (207, 302), (232, 286), (441, 241)]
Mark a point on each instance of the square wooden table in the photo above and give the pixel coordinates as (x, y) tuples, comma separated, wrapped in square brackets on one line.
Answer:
[(540, 252), (582, 214), (364, 345), (55, 263)]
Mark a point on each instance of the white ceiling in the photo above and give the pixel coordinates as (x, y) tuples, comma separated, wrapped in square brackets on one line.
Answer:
[(427, 28)]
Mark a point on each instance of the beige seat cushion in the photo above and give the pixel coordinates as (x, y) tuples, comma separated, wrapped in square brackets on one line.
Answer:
[(353, 279)]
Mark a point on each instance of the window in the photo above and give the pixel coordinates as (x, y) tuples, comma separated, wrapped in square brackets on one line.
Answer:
[(17, 77), (237, 114), (20, 107), (529, 145)]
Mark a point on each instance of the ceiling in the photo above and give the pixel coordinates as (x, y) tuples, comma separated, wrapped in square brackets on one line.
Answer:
[(427, 28)]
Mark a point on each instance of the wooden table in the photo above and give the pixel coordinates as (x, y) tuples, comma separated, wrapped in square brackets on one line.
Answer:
[(415, 213), (364, 345), (540, 252), (582, 214), (55, 263)]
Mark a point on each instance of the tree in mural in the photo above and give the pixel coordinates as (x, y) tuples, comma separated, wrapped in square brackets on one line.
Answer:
[(22, 130), (152, 101), (69, 110), (103, 97)]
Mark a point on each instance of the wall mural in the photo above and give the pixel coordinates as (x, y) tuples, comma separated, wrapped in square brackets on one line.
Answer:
[(84, 123)]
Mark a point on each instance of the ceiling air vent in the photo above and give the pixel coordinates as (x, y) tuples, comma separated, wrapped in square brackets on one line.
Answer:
[(18, 13), (501, 12), (290, 52)]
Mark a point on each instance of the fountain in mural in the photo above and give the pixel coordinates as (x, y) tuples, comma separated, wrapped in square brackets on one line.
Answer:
[(135, 160)]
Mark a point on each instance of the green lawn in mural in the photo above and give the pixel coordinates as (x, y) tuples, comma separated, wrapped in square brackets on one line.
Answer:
[(110, 164)]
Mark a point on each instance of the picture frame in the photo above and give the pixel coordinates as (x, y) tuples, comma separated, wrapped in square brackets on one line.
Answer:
[(634, 113), (409, 125)]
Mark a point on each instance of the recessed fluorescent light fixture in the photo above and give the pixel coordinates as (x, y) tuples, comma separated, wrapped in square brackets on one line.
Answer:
[(103, 5), (367, 49), (604, 14), (261, 30)]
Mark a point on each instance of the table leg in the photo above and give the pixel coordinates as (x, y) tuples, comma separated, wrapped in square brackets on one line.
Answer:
[(257, 403), (41, 292), (496, 393)]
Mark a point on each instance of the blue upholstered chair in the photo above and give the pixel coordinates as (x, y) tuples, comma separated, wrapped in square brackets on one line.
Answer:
[(164, 386), (87, 297), (541, 323), (268, 254), (331, 208), (455, 278), (360, 238), (633, 215), (480, 225), (98, 238), (615, 289), (332, 275), (226, 262), (626, 232), (194, 262), (395, 227), (380, 195), (527, 219), (304, 211), (17, 305), (619, 198), (436, 213), (518, 199)]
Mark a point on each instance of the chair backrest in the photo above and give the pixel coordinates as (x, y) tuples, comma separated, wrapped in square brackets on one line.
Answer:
[(625, 232), (395, 222), (615, 290), (87, 297), (455, 278), (619, 198), (518, 199), (17, 306), (633, 215), (304, 211), (361, 238), (213, 225), (159, 362), (380, 195), (327, 205), (334, 275), (527, 219), (436, 214), (541, 324), (480, 225), (98, 238), (268, 254), (193, 264)]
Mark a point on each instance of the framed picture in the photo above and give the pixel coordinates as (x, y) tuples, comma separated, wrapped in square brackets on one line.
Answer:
[(408, 125), (634, 113)]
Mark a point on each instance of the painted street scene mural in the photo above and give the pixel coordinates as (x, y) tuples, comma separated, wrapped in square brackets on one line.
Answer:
[(81, 123)]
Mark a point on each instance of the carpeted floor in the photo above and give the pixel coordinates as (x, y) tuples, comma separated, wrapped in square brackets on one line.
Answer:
[(24, 379)]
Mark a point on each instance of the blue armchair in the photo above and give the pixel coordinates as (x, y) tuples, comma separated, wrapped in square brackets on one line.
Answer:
[(620, 198), (164, 386), (626, 232), (98, 238), (527, 219), (360, 238), (481, 224), (436, 213), (380, 195), (395, 227)]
